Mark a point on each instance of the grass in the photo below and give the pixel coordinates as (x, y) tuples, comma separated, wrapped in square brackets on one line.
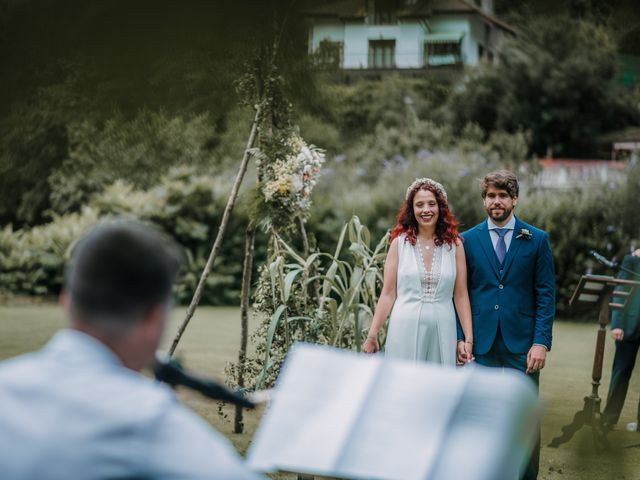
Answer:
[(212, 339)]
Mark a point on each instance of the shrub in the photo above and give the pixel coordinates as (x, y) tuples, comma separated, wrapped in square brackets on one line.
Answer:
[(186, 205), (32, 260), (139, 150)]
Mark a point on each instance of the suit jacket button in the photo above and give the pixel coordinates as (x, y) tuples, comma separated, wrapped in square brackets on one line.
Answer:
[(500, 287), (500, 270), (497, 307)]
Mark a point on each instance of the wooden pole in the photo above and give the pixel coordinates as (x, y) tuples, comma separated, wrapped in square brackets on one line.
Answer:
[(250, 235), (221, 231)]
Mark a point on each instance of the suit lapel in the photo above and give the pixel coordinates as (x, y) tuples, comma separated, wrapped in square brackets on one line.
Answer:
[(487, 246), (513, 247)]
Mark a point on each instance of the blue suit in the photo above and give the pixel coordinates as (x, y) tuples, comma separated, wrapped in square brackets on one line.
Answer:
[(518, 296), (512, 304)]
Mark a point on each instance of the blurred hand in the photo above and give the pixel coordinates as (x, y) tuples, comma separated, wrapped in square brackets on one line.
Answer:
[(536, 358), (617, 334), (371, 345), (461, 357)]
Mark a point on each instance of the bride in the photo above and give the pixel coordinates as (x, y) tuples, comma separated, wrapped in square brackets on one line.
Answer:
[(425, 274)]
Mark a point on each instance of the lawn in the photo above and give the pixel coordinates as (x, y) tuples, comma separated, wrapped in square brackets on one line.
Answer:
[(213, 337)]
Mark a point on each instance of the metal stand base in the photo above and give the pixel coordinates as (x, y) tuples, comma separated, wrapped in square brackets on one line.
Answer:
[(589, 415)]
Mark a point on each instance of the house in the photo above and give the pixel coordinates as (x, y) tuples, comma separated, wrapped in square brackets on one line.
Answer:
[(575, 174), (404, 35)]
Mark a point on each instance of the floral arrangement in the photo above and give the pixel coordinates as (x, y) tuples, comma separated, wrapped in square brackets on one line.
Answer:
[(524, 233), (288, 180)]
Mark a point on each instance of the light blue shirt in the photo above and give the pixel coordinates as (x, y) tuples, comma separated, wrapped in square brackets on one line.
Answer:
[(72, 410), (510, 226)]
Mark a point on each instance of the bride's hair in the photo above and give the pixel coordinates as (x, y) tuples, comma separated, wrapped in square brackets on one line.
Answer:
[(446, 226)]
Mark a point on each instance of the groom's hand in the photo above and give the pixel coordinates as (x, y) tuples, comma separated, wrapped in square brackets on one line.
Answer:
[(536, 358), (462, 356)]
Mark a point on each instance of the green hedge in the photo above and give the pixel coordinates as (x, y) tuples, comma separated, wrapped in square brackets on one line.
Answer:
[(185, 205)]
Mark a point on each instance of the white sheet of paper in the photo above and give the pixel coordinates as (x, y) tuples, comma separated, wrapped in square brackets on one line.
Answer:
[(318, 398), (336, 413)]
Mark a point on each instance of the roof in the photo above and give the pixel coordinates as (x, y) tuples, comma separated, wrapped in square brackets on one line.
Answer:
[(344, 9), (356, 9), (466, 6)]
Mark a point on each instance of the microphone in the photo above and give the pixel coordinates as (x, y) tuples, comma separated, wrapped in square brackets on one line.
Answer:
[(603, 260), (170, 371)]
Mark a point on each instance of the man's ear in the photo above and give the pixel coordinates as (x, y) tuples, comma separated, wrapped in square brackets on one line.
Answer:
[(515, 201), (154, 316), (64, 300), (155, 320)]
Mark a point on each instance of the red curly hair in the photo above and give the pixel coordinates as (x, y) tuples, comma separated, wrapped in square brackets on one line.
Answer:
[(446, 225)]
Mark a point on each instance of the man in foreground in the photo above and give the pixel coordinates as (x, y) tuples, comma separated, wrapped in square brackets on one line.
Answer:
[(79, 408), (511, 288)]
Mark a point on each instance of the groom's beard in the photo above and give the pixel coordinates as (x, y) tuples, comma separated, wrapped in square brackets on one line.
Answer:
[(499, 215)]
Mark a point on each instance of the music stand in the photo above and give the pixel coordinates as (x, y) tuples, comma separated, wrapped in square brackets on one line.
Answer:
[(595, 291)]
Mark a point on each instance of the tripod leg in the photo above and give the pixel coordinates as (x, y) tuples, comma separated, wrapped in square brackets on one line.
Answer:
[(600, 441), (579, 420)]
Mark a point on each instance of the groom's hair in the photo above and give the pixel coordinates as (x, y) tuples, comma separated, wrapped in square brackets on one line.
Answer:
[(501, 179)]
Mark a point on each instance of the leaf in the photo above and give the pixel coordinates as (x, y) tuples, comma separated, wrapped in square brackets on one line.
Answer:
[(273, 326), (329, 279), (341, 240), (288, 282), (276, 274), (292, 252), (358, 250), (312, 258)]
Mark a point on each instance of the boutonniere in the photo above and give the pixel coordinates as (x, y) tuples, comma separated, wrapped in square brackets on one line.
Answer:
[(524, 233)]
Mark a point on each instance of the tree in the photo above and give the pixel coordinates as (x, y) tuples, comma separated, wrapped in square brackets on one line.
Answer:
[(68, 63), (556, 79)]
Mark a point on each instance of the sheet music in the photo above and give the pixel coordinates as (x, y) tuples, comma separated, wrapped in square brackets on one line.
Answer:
[(390, 438), (345, 415), (317, 401)]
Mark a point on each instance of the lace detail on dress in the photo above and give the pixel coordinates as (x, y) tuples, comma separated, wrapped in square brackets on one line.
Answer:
[(429, 279)]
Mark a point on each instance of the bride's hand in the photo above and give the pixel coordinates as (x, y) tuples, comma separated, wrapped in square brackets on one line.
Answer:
[(462, 353), (468, 347), (371, 345)]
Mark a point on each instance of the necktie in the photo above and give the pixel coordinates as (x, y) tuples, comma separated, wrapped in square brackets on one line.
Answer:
[(501, 246)]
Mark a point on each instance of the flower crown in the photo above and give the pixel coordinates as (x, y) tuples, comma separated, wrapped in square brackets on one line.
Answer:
[(426, 181)]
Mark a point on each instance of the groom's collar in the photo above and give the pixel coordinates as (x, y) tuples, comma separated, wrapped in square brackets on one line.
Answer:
[(510, 225)]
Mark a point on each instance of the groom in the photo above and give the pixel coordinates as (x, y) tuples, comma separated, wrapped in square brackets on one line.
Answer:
[(511, 288)]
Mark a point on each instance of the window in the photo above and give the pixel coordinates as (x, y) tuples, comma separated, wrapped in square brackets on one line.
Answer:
[(382, 53), (381, 12), (443, 48), (443, 53)]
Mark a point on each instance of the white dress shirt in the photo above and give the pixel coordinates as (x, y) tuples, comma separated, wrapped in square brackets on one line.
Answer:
[(510, 226), (72, 410)]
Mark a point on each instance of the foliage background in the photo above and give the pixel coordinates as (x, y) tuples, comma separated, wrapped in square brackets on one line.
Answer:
[(121, 109)]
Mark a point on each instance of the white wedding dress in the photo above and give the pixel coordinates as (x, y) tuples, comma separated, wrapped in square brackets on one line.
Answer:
[(422, 325)]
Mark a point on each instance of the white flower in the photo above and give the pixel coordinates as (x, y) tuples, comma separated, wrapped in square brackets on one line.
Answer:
[(296, 181)]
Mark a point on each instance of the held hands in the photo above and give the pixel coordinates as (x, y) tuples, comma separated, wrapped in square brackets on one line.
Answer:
[(371, 345), (536, 358), (464, 352), (617, 334)]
